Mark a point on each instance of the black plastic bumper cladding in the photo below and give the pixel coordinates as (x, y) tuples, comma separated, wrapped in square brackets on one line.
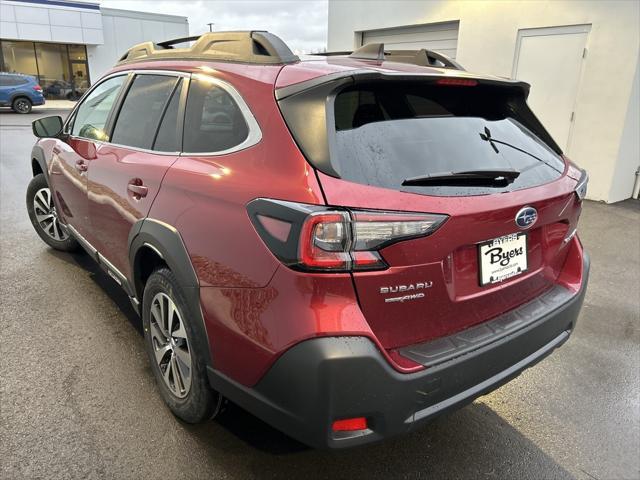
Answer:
[(325, 379)]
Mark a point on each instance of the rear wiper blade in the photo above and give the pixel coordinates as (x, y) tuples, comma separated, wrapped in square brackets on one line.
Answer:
[(486, 136), (469, 178)]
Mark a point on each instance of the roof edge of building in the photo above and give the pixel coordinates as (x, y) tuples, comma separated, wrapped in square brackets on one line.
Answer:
[(120, 12)]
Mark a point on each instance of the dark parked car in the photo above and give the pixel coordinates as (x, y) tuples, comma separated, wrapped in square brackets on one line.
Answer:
[(345, 245), (20, 92)]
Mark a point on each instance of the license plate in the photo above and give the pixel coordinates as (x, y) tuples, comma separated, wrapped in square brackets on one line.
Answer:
[(502, 258)]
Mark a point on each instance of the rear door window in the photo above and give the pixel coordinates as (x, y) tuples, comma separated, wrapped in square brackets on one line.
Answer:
[(169, 138), (142, 110), (213, 121), (15, 80), (12, 80), (386, 133)]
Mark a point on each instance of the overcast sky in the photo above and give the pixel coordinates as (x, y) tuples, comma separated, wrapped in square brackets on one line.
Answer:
[(302, 24)]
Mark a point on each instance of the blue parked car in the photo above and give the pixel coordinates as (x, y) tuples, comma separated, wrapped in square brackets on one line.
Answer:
[(20, 92)]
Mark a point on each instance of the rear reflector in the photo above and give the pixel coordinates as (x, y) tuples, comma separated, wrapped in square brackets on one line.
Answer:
[(349, 424), (458, 82)]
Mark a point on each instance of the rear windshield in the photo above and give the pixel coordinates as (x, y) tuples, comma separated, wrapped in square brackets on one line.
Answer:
[(387, 132)]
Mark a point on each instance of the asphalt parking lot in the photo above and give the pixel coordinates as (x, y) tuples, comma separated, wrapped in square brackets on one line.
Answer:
[(77, 399)]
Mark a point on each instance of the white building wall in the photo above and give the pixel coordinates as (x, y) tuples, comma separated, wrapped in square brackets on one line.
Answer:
[(487, 44), (51, 23), (124, 28), (106, 32)]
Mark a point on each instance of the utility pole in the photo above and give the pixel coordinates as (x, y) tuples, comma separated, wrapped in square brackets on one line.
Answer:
[(211, 26)]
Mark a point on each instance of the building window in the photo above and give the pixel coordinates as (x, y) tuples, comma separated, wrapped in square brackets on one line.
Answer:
[(19, 57), (61, 70), (53, 68)]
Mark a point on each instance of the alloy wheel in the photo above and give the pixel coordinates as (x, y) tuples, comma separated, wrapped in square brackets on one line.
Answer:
[(47, 216), (170, 345), (22, 106)]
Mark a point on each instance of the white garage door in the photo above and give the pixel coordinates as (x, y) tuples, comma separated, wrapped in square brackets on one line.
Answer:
[(440, 37)]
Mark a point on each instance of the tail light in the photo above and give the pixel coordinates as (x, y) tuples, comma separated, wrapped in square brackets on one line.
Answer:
[(457, 82), (325, 241), (37, 88), (581, 186), (329, 239)]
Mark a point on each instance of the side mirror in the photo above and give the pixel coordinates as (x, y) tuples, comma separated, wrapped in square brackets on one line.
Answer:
[(47, 127)]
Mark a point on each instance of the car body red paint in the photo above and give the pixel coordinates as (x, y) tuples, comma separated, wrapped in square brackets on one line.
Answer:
[(256, 308)]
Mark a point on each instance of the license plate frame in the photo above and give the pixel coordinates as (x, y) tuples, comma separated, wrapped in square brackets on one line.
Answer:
[(492, 274)]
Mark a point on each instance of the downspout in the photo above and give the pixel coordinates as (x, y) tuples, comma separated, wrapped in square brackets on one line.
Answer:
[(636, 186)]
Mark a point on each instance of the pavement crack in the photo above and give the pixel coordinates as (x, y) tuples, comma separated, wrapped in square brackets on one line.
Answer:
[(590, 476)]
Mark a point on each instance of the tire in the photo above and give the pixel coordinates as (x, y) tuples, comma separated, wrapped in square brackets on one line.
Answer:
[(186, 391), (21, 105), (44, 218)]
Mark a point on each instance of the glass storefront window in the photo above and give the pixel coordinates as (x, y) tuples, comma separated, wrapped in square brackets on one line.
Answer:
[(53, 66), (78, 52), (61, 70), (79, 73), (19, 57)]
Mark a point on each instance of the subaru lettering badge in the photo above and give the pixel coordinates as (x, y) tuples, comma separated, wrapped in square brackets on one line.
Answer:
[(526, 217)]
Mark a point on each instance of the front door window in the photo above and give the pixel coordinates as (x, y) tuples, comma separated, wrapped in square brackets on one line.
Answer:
[(91, 116)]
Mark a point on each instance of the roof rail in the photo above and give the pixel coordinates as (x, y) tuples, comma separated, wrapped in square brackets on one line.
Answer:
[(423, 57), (376, 51), (243, 47)]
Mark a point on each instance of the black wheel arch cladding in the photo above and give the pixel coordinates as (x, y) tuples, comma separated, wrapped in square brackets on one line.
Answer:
[(38, 157), (166, 241)]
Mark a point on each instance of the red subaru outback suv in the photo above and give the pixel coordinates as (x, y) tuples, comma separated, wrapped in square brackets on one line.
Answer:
[(345, 245)]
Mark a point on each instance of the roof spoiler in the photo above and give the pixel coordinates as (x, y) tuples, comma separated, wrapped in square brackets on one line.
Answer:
[(257, 47), (422, 57), (363, 75)]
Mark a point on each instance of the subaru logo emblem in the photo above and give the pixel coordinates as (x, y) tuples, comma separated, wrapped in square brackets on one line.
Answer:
[(526, 217)]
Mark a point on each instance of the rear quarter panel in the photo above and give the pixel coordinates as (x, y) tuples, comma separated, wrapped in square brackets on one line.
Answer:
[(205, 198)]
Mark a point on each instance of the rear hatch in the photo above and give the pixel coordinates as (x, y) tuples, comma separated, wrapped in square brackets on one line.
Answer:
[(464, 148)]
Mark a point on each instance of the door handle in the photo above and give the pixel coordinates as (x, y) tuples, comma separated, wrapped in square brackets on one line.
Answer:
[(81, 165), (137, 190)]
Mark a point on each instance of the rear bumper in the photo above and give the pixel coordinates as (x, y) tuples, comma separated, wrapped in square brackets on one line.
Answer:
[(325, 379)]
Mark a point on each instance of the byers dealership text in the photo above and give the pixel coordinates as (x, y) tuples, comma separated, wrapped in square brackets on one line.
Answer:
[(499, 256)]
